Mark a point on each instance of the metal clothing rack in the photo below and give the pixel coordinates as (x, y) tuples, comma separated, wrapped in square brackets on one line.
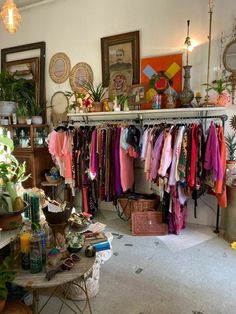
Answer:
[(140, 119)]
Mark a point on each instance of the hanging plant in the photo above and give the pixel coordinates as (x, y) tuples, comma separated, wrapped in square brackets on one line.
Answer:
[(160, 82)]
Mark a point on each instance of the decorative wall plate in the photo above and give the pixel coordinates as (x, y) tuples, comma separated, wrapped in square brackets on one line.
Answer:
[(59, 103), (59, 67), (80, 73)]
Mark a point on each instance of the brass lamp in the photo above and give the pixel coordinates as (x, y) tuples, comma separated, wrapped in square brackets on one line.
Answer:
[(10, 16)]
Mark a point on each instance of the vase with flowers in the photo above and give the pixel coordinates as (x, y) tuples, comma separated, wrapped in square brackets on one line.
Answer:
[(81, 103)]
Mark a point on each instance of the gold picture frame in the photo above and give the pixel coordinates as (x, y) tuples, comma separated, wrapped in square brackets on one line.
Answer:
[(120, 52)]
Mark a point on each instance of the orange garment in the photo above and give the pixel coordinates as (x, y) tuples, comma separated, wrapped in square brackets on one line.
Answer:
[(220, 188), (126, 168)]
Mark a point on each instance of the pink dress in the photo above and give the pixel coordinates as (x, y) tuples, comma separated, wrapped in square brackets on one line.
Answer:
[(60, 147), (126, 168)]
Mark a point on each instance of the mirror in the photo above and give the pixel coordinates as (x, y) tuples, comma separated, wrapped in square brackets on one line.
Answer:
[(29, 62), (59, 67), (229, 61), (229, 56)]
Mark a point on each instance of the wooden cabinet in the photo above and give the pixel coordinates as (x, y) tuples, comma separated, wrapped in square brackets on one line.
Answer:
[(30, 145)]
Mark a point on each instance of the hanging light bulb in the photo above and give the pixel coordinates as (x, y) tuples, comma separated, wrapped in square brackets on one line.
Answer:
[(10, 16)]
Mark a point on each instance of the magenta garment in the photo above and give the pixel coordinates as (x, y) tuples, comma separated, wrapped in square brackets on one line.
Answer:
[(156, 155), (212, 159), (93, 157), (117, 163), (126, 168)]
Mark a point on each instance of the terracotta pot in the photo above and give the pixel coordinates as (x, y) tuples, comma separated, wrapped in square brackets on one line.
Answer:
[(97, 106), (222, 100), (2, 304)]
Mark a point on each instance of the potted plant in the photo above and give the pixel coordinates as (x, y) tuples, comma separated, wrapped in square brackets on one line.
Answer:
[(221, 88), (7, 275), (122, 101), (22, 113), (12, 91), (35, 110), (11, 171), (96, 93), (230, 141)]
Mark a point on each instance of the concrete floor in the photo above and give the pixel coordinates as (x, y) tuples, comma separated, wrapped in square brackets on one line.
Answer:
[(145, 276)]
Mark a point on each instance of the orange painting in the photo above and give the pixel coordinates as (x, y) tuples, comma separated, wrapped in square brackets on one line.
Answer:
[(171, 65)]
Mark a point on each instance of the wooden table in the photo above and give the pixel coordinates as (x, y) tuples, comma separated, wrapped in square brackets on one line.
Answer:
[(36, 282)]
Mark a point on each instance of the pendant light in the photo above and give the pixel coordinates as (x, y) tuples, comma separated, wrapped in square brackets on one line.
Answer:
[(10, 16)]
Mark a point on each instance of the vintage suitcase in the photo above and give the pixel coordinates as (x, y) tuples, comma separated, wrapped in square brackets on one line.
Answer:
[(148, 224)]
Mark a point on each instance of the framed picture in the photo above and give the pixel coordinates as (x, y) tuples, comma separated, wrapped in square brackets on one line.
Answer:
[(120, 53), (136, 96)]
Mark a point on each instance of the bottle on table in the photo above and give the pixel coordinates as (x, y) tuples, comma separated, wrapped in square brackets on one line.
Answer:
[(36, 264)]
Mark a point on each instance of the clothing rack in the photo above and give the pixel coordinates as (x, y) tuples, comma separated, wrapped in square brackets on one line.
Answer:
[(140, 120)]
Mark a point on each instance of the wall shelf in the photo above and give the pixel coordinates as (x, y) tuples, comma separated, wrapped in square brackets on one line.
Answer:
[(147, 114)]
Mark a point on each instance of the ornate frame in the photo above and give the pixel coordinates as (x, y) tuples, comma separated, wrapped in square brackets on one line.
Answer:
[(131, 38)]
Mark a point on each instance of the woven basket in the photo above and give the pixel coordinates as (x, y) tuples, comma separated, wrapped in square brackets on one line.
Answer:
[(51, 180), (57, 218), (129, 206)]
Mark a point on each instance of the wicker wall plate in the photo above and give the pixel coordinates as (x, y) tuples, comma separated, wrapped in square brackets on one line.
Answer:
[(59, 67), (59, 103), (80, 73)]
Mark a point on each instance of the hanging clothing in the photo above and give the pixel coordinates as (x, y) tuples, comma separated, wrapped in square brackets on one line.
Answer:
[(220, 188), (60, 147), (126, 165), (166, 156), (212, 159)]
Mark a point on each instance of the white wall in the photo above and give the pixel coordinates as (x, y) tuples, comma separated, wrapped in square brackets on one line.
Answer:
[(76, 26)]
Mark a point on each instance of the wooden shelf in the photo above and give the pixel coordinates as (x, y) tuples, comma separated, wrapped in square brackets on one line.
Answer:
[(147, 114)]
